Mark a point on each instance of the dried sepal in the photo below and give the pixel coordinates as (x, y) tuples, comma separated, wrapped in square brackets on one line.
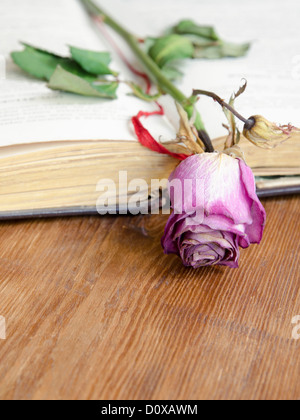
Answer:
[(187, 133), (176, 146), (235, 152), (234, 133)]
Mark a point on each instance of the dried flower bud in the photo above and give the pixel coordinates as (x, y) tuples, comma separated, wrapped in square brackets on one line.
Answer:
[(267, 135)]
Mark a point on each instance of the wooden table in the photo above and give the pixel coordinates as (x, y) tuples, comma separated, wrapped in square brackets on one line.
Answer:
[(94, 310)]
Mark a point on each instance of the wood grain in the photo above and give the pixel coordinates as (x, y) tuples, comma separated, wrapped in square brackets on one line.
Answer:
[(94, 310)]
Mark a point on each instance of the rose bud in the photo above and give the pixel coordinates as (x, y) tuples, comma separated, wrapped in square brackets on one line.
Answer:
[(263, 133), (231, 213)]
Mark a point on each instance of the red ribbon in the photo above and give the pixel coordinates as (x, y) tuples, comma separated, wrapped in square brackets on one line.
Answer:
[(146, 139)]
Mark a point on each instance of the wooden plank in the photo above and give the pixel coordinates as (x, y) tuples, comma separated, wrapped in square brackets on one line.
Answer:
[(94, 310)]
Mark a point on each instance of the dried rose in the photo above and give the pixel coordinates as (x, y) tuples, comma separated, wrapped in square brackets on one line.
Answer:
[(232, 214), (266, 134)]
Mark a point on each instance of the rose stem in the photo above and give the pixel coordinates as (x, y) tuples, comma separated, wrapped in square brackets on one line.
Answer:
[(249, 123), (153, 70)]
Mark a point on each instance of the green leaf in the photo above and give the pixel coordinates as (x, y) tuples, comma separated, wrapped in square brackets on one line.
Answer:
[(35, 49), (106, 89), (93, 62), (224, 49), (170, 48), (192, 28), (42, 64), (36, 62), (69, 82), (207, 43), (138, 91), (72, 67), (171, 72), (149, 42)]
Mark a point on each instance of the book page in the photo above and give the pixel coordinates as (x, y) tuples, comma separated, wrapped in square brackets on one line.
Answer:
[(30, 112), (271, 68)]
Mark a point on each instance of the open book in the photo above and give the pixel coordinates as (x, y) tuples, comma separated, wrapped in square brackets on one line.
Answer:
[(56, 147)]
